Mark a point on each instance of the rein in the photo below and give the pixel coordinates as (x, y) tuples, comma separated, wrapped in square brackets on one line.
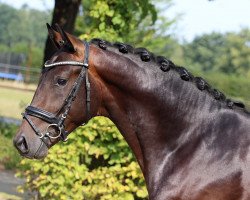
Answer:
[(56, 121)]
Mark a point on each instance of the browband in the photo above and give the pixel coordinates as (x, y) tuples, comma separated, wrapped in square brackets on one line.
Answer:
[(65, 63)]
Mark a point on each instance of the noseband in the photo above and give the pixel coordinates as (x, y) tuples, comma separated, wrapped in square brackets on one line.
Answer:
[(56, 121)]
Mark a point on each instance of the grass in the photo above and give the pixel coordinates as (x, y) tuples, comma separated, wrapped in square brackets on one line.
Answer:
[(13, 101), (14, 84)]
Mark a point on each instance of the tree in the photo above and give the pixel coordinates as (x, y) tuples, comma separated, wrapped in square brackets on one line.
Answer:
[(227, 53), (22, 32), (155, 36), (7, 14), (201, 52), (113, 19), (22, 26), (140, 23), (236, 59)]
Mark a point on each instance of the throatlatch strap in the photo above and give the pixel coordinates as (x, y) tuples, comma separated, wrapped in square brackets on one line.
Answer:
[(87, 83)]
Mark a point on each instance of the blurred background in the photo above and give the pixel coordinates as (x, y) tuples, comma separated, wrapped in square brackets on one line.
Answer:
[(210, 38)]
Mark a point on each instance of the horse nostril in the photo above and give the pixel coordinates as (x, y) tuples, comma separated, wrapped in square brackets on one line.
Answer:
[(22, 145)]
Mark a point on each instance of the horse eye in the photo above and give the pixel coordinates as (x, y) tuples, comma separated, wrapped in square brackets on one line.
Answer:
[(61, 81)]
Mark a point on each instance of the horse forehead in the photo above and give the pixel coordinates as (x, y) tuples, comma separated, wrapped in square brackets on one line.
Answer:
[(61, 56), (53, 59)]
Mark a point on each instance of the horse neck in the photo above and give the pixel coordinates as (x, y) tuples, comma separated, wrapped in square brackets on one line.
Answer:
[(150, 108)]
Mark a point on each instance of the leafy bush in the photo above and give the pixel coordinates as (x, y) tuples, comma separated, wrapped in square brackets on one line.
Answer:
[(8, 130), (9, 156), (95, 163)]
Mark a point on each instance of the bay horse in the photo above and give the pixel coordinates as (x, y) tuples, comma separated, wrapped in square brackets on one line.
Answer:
[(191, 142)]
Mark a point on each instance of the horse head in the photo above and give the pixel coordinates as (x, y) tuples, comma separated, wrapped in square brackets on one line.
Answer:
[(62, 99)]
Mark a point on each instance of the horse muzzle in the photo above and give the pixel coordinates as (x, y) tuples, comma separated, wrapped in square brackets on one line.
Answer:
[(35, 150)]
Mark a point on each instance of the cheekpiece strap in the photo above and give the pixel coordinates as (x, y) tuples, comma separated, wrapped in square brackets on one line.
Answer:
[(86, 58)]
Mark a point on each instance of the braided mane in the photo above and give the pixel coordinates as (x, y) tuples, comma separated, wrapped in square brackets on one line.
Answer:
[(166, 65)]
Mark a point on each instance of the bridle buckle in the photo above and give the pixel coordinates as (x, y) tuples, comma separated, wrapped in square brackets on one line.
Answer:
[(56, 128)]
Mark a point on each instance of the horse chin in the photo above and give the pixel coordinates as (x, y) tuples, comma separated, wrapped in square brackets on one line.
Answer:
[(39, 153)]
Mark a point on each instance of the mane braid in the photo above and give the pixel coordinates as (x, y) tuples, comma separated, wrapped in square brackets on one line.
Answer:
[(165, 65)]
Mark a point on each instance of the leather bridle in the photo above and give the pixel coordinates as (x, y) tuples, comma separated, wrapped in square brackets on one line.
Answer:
[(56, 121)]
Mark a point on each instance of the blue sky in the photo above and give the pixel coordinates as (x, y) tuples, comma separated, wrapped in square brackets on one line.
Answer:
[(198, 16), (203, 16)]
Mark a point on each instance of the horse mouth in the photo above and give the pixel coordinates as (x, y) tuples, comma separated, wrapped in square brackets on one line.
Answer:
[(41, 152), (40, 156)]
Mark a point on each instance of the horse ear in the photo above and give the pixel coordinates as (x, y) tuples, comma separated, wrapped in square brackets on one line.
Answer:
[(55, 37), (68, 44)]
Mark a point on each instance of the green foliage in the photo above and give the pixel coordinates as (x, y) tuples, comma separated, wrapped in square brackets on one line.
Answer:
[(237, 55), (155, 37), (224, 60), (130, 22), (9, 157), (7, 130), (25, 25), (113, 19), (22, 31), (95, 163), (201, 51), (227, 53)]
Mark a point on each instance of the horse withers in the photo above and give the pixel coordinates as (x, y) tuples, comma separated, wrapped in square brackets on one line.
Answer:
[(191, 142)]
